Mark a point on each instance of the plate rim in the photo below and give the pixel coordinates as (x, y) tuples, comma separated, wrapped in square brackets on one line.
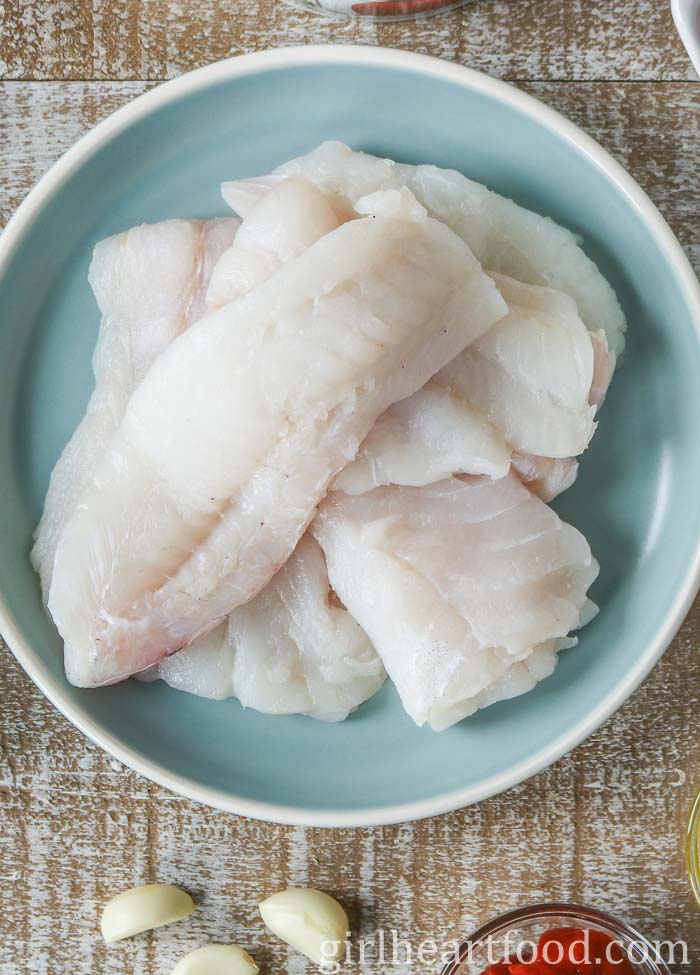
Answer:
[(363, 55)]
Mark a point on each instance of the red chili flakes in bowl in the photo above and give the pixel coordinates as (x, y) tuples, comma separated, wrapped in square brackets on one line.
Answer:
[(570, 951)]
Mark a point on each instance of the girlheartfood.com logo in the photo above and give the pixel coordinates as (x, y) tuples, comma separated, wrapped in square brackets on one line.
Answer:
[(388, 949)]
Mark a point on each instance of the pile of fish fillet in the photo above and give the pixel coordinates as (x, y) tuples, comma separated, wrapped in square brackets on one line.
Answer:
[(321, 445)]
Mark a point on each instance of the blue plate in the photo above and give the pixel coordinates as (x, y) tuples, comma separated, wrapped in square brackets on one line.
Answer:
[(636, 498)]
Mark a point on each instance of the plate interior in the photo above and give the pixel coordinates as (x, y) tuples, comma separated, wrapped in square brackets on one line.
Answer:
[(635, 499)]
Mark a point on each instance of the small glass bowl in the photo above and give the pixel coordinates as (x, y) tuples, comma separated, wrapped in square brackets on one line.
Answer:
[(378, 10), (693, 847), (526, 924)]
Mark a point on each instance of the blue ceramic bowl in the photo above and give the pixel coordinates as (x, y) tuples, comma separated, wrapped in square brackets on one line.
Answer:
[(636, 498)]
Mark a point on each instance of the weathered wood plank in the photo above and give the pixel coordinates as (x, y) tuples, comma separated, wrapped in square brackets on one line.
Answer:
[(156, 39), (653, 130), (39, 122), (604, 825)]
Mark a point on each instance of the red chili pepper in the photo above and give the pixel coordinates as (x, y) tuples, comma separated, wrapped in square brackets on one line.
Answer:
[(623, 967), (394, 8), (612, 958), (534, 967), (570, 951), (615, 962)]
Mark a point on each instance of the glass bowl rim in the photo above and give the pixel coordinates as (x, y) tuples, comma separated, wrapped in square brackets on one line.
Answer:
[(693, 847), (316, 7), (567, 910)]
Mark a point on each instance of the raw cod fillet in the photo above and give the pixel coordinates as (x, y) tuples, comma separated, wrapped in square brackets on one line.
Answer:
[(282, 673), (150, 284), (283, 224), (503, 236), (603, 369), (455, 583), (290, 650), (423, 439), (538, 374), (131, 336), (548, 477), (539, 360), (526, 386), (418, 440), (231, 440), (532, 373)]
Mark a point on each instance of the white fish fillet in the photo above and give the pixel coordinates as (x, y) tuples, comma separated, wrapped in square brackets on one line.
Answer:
[(423, 439), (532, 373), (150, 284), (525, 385), (603, 369), (261, 656), (503, 236), (291, 650), (548, 477), (131, 336), (524, 675), (538, 375), (231, 440), (417, 441), (454, 583), (285, 222), (518, 678), (243, 194)]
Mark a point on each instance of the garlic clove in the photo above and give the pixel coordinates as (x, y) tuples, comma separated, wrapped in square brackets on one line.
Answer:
[(216, 960), (312, 922), (143, 908)]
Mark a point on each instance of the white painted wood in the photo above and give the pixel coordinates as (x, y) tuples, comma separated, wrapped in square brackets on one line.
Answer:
[(515, 39), (605, 824)]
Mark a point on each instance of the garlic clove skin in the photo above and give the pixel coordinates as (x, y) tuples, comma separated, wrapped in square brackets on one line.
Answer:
[(143, 908), (309, 920), (216, 960)]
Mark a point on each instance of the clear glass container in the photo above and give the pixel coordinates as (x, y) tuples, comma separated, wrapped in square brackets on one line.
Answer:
[(494, 940), (379, 10), (693, 847)]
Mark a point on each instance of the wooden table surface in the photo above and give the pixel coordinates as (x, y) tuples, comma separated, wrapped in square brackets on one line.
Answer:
[(605, 824)]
